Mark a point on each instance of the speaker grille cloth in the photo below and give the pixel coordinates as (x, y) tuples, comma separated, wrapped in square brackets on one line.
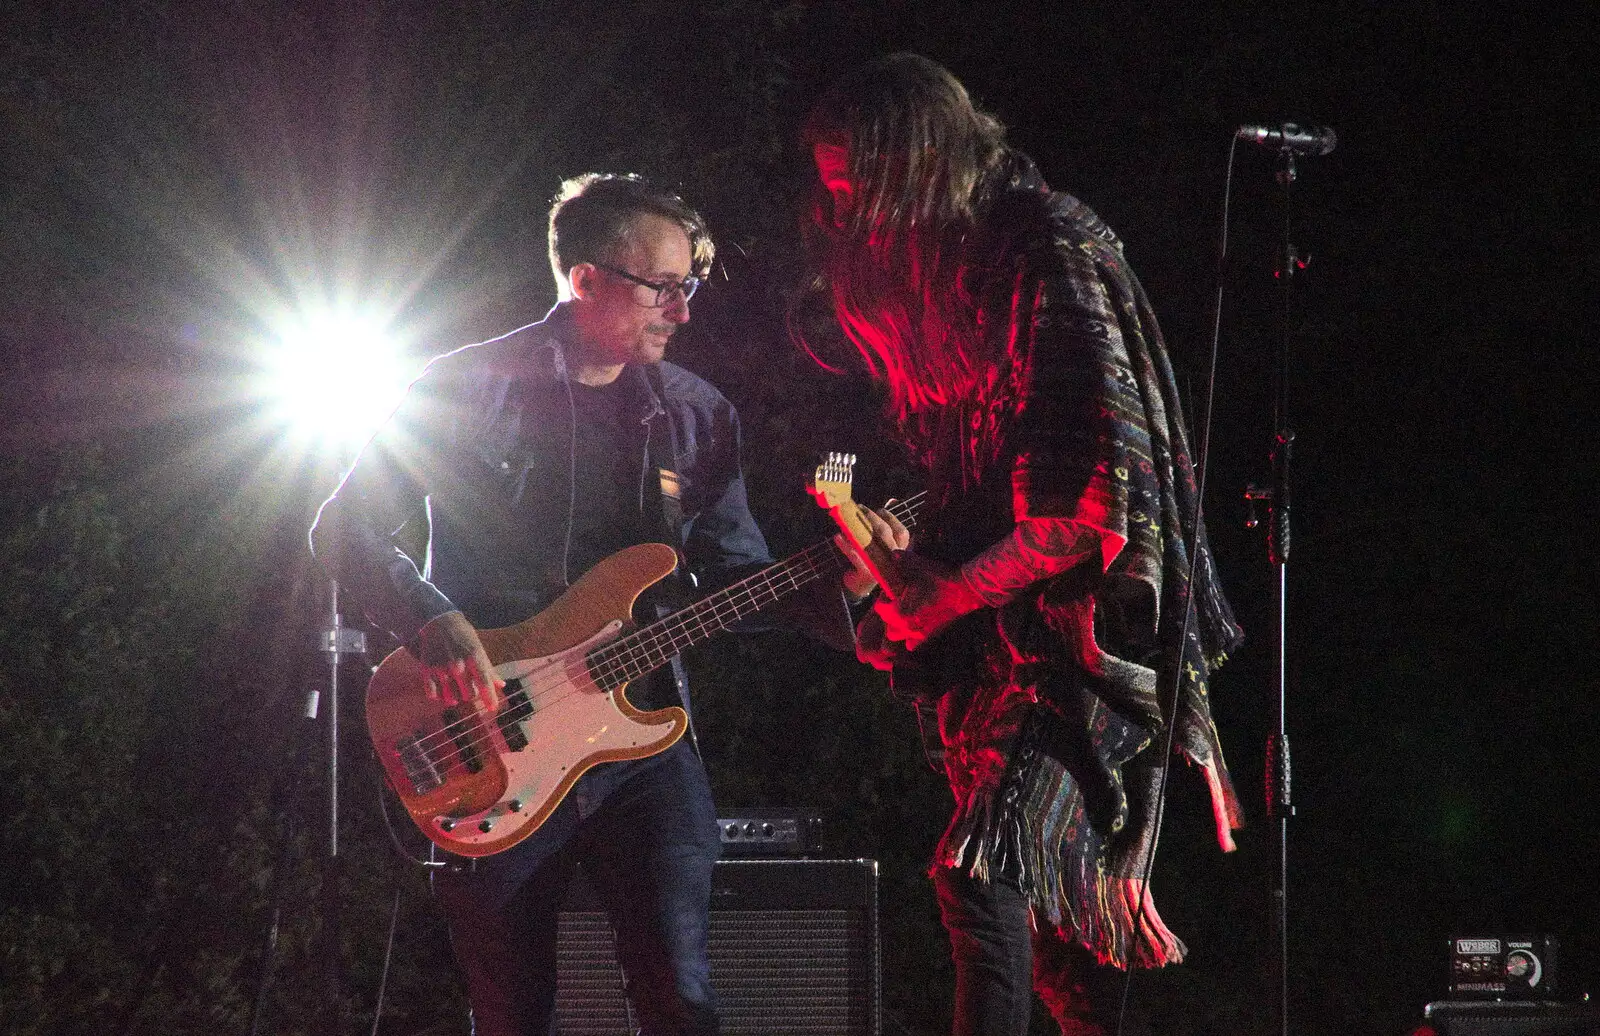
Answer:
[(796, 972)]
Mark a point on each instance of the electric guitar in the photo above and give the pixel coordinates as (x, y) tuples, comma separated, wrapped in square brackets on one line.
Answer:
[(910, 675), (477, 780)]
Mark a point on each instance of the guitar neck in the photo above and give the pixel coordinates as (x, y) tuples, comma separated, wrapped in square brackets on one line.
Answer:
[(628, 658)]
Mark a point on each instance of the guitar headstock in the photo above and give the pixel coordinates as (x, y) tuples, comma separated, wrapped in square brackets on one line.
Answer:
[(830, 486)]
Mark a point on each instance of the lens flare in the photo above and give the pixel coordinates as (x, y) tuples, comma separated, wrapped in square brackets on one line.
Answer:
[(334, 378)]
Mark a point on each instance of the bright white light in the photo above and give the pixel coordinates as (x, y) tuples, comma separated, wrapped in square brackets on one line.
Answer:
[(335, 378)]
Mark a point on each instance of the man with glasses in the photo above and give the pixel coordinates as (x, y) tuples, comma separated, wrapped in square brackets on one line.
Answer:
[(514, 466)]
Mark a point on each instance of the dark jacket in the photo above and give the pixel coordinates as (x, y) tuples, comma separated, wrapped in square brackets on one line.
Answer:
[(465, 499)]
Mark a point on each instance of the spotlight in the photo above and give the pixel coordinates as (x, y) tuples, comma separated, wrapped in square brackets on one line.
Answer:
[(333, 378)]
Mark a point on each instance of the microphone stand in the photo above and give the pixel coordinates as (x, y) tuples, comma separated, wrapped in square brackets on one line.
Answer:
[(1280, 805)]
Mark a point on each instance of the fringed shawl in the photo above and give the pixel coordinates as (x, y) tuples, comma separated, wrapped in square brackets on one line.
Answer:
[(1053, 709)]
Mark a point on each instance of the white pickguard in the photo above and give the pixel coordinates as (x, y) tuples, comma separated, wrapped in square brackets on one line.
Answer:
[(573, 720)]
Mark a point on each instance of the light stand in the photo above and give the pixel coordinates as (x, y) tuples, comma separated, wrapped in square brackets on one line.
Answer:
[(334, 375), (336, 641)]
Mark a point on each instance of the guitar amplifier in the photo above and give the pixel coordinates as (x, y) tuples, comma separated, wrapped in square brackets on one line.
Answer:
[(793, 947)]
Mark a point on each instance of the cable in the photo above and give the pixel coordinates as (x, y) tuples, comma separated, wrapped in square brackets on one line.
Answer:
[(388, 954), (1193, 539), (394, 838)]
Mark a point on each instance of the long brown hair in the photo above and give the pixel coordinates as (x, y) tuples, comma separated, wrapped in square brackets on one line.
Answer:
[(896, 258)]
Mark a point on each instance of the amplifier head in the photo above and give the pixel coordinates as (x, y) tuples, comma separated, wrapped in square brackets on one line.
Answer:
[(771, 832), (1502, 967)]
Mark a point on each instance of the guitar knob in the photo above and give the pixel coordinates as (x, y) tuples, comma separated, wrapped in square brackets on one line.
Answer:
[(486, 826), (447, 823), (515, 805)]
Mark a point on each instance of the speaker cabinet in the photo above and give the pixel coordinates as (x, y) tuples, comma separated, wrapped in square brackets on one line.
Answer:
[(793, 947), (1465, 1018)]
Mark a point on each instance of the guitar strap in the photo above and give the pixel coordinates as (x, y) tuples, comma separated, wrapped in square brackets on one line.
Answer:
[(663, 459), (669, 485)]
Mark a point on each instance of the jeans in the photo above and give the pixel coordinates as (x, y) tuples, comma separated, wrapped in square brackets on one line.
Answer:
[(1001, 961), (648, 847)]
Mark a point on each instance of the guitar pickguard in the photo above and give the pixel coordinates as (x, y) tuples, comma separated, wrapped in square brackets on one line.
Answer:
[(568, 724)]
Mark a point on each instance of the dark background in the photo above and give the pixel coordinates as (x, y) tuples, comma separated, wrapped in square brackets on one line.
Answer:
[(175, 177)]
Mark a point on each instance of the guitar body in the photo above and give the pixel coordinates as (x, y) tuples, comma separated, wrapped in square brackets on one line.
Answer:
[(478, 781)]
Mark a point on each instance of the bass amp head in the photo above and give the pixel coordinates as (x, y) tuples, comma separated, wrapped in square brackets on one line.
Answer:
[(1503, 967), (771, 832), (793, 947)]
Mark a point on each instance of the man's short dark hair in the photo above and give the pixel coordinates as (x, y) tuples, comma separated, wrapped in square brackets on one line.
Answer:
[(592, 215)]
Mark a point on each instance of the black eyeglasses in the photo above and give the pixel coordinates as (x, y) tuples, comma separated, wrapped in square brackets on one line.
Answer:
[(664, 289)]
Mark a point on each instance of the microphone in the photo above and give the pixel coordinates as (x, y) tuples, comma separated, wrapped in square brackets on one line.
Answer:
[(1302, 140)]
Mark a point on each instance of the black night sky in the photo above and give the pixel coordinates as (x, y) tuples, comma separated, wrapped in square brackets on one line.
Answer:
[(174, 178)]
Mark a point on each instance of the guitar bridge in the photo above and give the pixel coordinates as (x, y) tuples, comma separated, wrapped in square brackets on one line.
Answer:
[(419, 766)]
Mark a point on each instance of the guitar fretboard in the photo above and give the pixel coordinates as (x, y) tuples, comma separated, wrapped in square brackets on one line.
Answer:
[(628, 658)]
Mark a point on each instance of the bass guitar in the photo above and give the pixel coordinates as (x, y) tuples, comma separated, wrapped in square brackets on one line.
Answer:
[(477, 780)]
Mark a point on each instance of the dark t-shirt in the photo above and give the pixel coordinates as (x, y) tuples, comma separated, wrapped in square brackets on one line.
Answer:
[(607, 457)]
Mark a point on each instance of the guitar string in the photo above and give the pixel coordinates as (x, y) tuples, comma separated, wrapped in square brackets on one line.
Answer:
[(619, 658), (604, 662), (603, 670), (610, 673), (612, 660), (756, 592), (471, 732)]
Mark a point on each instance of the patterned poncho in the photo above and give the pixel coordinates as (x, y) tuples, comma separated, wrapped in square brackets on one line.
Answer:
[(1053, 709)]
